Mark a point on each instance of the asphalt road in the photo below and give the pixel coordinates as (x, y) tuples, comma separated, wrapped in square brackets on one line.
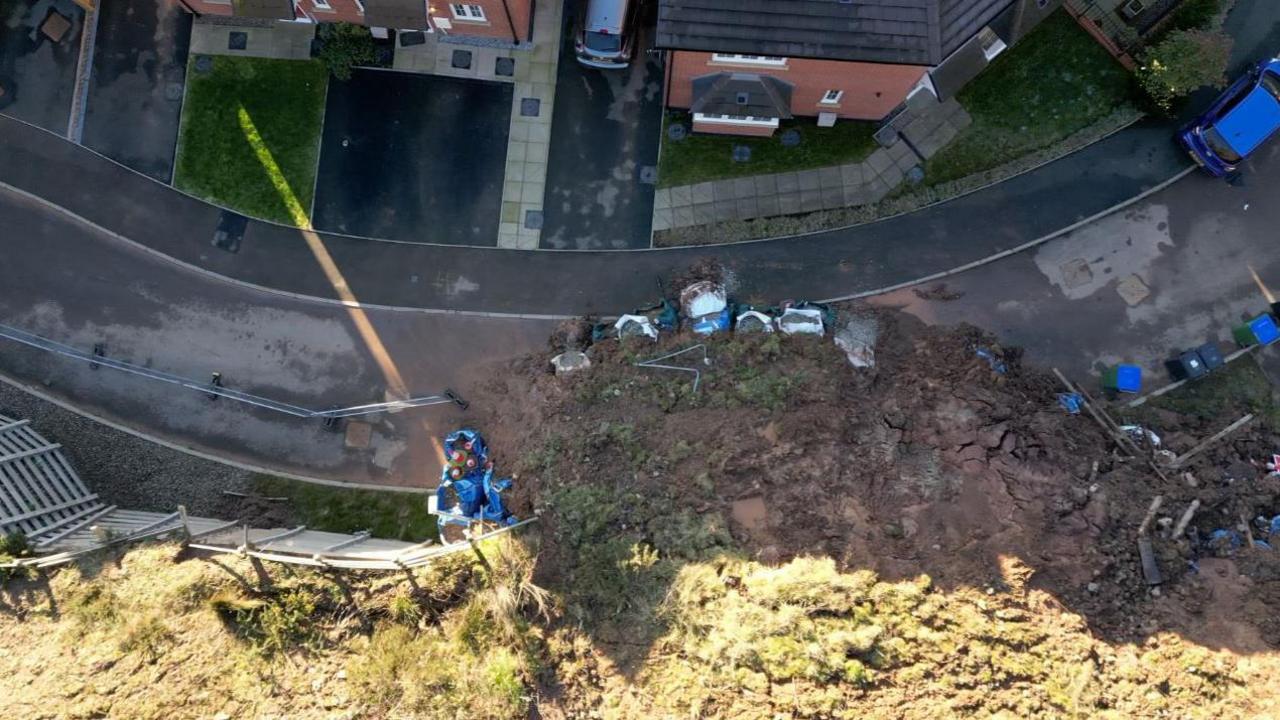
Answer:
[(489, 280), (66, 281)]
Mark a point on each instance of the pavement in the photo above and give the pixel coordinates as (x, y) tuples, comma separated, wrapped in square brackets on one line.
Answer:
[(147, 311), (1202, 256), (426, 166), (927, 128), (137, 78), (40, 72), (607, 125)]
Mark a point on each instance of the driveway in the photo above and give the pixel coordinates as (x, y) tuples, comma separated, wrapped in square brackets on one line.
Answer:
[(135, 91), (604, 131), (417, 158), (38, 75)]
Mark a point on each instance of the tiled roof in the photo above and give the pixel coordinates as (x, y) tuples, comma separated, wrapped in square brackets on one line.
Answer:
[(913, 32), (741, 94)]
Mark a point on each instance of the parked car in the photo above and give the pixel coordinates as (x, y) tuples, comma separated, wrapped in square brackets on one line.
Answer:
[(606, 35), (1240, 120)]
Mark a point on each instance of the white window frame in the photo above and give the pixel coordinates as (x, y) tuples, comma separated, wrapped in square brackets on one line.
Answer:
[(996, 47), (827, 98), (743, 120), (754, 60), (321, 4), (470, 12)]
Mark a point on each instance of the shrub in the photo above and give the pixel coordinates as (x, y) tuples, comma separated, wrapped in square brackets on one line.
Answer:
[(344, 46), (93, 604), (12, 547), (277, 624), (1184, 61)]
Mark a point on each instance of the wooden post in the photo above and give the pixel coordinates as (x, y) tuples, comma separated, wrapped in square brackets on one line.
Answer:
[(1211, 440), (1185, 519)]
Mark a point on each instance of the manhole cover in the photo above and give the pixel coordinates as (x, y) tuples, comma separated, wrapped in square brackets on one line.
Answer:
[(462, 59), (409, 38), (915, 175), (649, 175), (530, 107), (504, 66), (1076, 273), (173, 92), (741, 153), (677, 131), (533, 219), (791, 138), (1133, 290), (204, 63), (237, 40)]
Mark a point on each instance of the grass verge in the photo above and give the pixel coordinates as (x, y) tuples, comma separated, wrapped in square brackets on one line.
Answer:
[(1055, 82), (699, 158), (283, 101), (386, 514)]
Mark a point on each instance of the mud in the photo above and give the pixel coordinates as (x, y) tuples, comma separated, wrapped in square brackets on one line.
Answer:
[(937, 461)]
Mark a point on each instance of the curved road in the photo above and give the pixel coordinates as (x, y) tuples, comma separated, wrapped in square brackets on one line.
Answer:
[(80, 237)]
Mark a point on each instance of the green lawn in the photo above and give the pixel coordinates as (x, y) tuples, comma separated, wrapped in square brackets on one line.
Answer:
[(387, 514), (1056, 81), (708, 157), (271, 174)]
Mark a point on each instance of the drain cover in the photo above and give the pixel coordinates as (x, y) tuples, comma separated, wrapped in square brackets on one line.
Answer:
[(649, 175), (204, 63), (533, 219), (504, 66), (677, 131), (461, 59), (530, 107), (230, 231), (741, 153), (791, 138), (237, 40)]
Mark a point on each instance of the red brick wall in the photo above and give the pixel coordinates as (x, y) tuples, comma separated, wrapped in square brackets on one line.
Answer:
[(727, 129), (494, 26), (339, 11), (871, 90), (495, 23), (209, 8)]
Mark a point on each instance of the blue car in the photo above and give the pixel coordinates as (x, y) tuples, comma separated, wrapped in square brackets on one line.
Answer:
[(1240, 120)]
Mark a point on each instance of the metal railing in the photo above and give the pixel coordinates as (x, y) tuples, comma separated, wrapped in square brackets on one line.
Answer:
[(214, 387)]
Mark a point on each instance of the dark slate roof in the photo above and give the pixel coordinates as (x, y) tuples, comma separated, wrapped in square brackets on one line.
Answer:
[(396, 14), (264, 9), (912, 32), (720, 93)]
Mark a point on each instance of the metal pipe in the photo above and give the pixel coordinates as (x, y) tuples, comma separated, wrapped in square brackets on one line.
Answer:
[(47, 345)]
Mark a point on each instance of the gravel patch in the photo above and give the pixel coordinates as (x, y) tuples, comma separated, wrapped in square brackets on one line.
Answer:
[(128, 471)]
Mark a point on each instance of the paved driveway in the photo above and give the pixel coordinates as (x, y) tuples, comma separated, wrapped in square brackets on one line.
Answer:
[(38, 74), (135, 92), (605, 129), (417, 158)]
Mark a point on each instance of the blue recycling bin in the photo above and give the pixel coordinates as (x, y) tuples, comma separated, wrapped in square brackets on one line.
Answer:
[(1123, 378)]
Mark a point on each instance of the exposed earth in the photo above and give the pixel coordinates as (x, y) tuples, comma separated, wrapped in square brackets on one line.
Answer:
[(930, 537)]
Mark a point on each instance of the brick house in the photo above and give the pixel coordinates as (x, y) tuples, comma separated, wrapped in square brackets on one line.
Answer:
[(501, 21), (741, 66)]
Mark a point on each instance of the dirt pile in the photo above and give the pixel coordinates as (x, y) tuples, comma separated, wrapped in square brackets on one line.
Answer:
[(951, 458)]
